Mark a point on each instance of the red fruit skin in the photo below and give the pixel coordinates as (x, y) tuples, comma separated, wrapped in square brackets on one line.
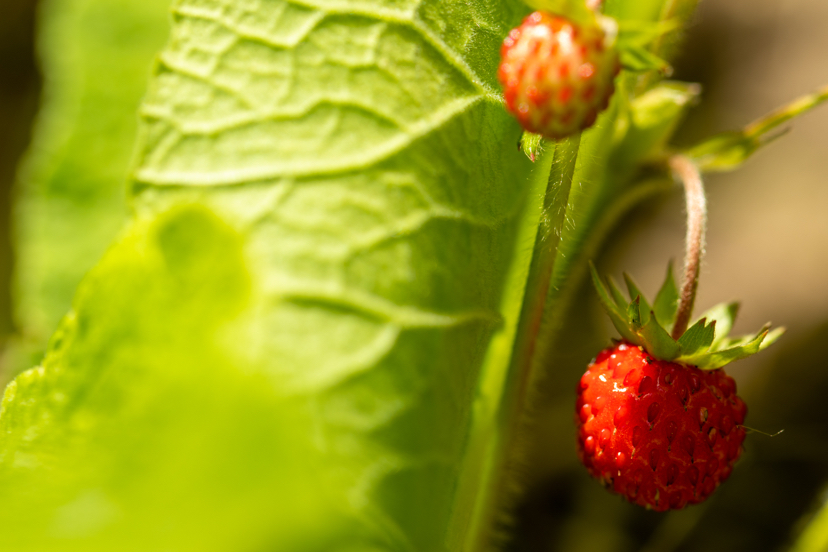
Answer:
[(660, 434), (556, 75)]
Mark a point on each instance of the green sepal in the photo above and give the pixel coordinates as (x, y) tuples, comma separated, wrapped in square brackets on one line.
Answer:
[(705, 344), (634, 314), (645, 308), (618, 295), (732, 342), (657, 341), (726, 151), (667, 300), (718, 359), (618, 319), (724, 314), (531, 144), (698, 338), (771, 338)]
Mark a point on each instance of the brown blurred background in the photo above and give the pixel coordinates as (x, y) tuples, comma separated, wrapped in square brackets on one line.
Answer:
[(19, 98)]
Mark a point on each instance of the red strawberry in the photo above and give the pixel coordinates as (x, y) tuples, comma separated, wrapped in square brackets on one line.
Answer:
[(557, 75), (659, 433), (658, 420)]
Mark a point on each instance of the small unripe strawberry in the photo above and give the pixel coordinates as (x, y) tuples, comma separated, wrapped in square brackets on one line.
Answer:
[(659, 433), (556, 75)]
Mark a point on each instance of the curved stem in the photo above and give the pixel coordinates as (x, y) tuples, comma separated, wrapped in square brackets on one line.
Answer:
[(687, 172)]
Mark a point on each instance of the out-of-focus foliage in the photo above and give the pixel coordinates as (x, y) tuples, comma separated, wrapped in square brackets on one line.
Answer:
[(96, 58), (727, 151), (147, 428), (815, 536)]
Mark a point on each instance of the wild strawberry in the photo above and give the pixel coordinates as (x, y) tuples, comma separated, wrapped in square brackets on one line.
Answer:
[(659, 422), (659, 433), (557, 75)]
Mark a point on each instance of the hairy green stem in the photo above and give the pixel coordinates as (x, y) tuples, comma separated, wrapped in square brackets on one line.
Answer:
[(518, 384), (688, 174), (550, 228)]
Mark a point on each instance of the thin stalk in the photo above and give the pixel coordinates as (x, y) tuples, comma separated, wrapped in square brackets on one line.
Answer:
[(545, 251), (512, 408), (688, 174)]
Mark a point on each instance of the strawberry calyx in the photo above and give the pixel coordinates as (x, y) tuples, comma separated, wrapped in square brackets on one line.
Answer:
[(705, 344)]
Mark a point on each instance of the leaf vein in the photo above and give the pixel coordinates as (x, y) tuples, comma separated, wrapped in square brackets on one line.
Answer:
[(310, 167)]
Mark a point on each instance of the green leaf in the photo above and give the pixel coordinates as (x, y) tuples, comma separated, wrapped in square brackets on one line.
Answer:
[(666, 302), (328, 223), (727, 151), (697, 339)]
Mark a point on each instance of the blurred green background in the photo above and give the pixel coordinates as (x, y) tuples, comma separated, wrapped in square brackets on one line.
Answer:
[(767, 246)]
